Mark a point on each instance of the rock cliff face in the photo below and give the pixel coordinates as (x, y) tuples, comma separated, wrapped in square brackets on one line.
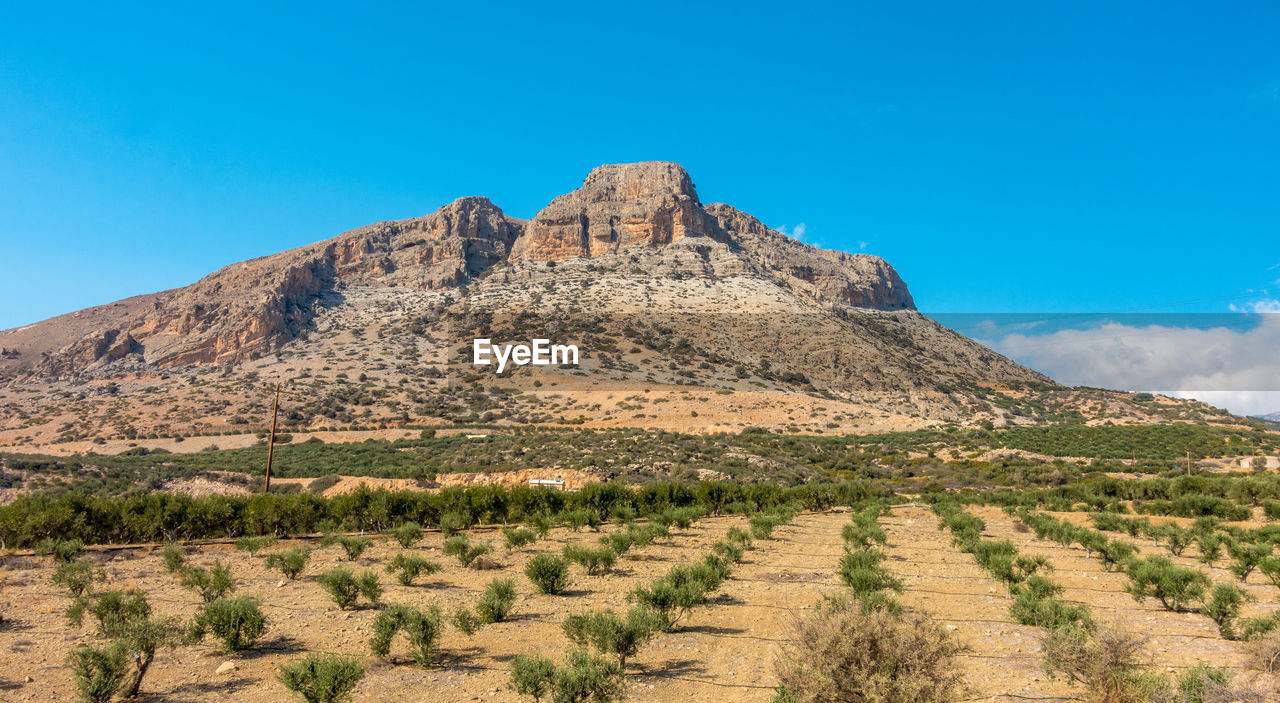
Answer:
[(653, 203), (858, 280), (254, 307), (647, 204)]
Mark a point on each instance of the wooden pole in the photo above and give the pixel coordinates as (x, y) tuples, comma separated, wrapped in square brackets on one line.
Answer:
[(271, 444), (1188, 462)]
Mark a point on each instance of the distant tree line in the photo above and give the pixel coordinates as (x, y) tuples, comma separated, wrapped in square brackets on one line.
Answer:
[(157, 516)]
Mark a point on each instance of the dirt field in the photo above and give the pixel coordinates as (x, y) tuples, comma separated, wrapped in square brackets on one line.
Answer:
[(722, 652)]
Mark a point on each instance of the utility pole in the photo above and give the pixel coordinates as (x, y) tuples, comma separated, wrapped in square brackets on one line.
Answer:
[(1188, 462), (271, 444)]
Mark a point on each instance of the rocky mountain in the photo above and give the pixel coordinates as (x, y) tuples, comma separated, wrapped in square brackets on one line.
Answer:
[(663, 293), (257, 306)]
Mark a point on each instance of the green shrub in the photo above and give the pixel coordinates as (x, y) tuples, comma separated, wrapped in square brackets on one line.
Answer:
[(1115, 555), (1036, 604), (1109, 522), (1223, 607), (966, 529), (421, 627), (669, 599), (322, 678), (173, 558), (127, 618), (582, 679), (663, 518), (1176, 587), (98, 672), (862, 573), (253, 545), (353, 547), (737, 535), (596, 560), (540, 524), (496, 601), (452, 523), (290, 562), (408, 534), (1001, 560), (587, 679), (531, 675), (370, 588), (67, 550), (408, 567), (465, 621), (729, 551), (238, 622), (682, 518), (1210, 546), (76, 577), (345, 588), (762, 526), (1270, 568), (1177, 539), (862, 534), (548, 573), (62, 550), (211, 584), (517, 537), (619, 541), (1250, 628), (612, 635), (468, 553), (1246, 557), (841, 655), (579, 518)]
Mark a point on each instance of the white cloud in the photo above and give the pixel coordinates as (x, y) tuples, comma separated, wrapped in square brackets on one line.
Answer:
[(1259, 306), (1236, 367), (863, 245), (1239, 402), (797, 232)]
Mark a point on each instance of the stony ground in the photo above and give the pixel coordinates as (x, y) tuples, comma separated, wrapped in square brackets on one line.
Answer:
[(721, 652)]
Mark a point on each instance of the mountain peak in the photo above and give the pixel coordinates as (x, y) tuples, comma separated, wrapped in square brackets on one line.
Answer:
[(645, 204), (638, 181)]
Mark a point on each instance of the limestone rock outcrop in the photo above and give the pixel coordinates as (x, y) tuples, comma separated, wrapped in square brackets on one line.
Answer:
[(646, 204)]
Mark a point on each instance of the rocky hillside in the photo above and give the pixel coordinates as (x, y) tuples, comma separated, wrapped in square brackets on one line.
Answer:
[(663, 294)]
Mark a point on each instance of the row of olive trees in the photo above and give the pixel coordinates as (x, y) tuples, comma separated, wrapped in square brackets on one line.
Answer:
[(862, 645)]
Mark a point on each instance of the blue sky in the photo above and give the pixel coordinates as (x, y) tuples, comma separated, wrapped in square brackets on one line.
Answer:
[(1004, 156)]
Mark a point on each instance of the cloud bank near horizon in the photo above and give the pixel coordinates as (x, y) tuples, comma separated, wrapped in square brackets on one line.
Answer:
[(1233, 365)]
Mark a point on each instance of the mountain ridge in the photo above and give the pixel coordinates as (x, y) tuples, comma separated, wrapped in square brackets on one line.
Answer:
[(690, 316), (267, 301)]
